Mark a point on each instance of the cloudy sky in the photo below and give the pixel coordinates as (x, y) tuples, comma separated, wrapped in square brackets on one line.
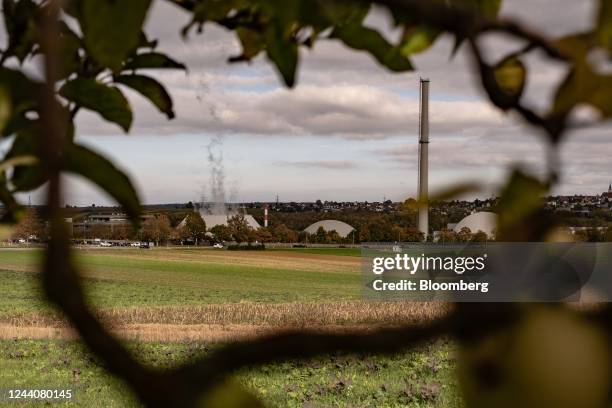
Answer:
[(348, 131)]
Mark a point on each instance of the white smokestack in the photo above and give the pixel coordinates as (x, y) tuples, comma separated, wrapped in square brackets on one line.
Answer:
[(266, 216), (423, 217)]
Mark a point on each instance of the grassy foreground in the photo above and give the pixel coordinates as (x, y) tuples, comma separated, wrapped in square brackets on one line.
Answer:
[(181, 303), (423, 378)]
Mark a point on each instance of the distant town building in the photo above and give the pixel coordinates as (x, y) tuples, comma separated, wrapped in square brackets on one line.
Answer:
[(110, 220), (608, 194)]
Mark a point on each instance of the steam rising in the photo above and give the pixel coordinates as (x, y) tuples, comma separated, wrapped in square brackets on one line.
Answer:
[(217, 175), (214, 155)]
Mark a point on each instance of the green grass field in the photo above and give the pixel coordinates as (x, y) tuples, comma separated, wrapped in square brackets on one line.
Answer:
[(419, 379), (163, 279), (133, 277)]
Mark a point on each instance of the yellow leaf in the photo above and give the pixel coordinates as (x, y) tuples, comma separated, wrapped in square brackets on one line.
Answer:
[(230, 394), (510, 74)]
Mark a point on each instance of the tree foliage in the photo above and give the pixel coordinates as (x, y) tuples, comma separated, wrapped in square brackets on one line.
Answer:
[(239, 228), (194, 227), (30, 227), (221, 232), (156, 229)]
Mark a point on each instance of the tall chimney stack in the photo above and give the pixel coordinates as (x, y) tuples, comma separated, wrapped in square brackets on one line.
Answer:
[(423, 217), (266, 215)]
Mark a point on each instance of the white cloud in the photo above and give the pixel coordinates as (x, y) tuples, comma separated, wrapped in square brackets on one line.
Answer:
[(349, 111), (347, 96), (320, 164)]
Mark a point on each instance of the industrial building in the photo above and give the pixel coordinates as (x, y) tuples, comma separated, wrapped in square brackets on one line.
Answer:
[(109, 220), (342, 228), (213, 220), (481, 221)]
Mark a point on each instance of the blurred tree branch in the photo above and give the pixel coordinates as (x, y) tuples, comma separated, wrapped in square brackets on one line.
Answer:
[(183, 385)]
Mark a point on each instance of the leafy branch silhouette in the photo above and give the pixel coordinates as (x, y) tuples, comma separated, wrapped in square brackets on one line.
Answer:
[(82, 71)]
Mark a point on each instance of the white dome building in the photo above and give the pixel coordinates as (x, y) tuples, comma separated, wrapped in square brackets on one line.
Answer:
[(342, 228), (480, 221), (212, 220)]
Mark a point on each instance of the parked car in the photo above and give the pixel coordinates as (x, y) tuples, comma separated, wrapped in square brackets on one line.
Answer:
[(144, 245), (218, 245), (22, 241), (105, 244), (135, 244)]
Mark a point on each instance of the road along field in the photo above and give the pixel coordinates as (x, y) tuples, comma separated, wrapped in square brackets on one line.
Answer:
[(173, 304)]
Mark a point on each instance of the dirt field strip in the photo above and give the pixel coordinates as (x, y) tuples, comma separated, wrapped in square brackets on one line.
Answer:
[(209, 333), (229, 321), (145, 332), (293, 314), (258, 259)]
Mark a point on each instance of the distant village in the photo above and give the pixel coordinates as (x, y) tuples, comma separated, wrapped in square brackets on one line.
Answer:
[(579, 204), (586, 217)]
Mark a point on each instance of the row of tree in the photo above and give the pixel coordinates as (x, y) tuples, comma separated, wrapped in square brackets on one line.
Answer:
[(193, 230)]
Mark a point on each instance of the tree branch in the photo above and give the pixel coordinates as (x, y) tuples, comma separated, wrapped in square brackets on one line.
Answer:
[(302, 344), (60, 280)]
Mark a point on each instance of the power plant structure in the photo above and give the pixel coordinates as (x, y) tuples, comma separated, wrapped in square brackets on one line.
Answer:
[(423, 210), (266, 216)]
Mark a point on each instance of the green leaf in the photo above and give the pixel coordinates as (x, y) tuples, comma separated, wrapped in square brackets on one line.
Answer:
[(601, 98), (576, 46), (23, 90), (519, 209), (112, 28), (72, 8), (252, 43), (213, 10), (583, 86), (5, 107), (70, 60), (486, 8), (283, 52), (152, 60), (26, 177), (510, 75), (12, 208), (367, 39), (19, 20), (150, 89), (101, 171), (572, 91), (23, 155), (18, 95), (340, 12), (210, 10), (144, 42), (108, 101), (604, 24), (417, 39)]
